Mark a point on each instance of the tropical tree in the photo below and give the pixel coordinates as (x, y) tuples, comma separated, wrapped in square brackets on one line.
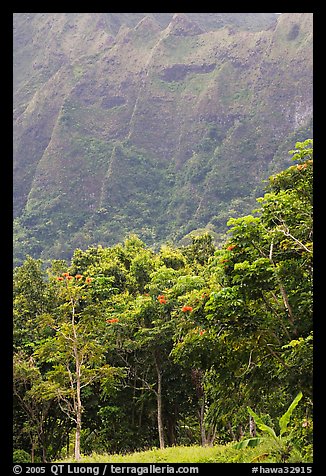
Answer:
[(260, 299), (29, 389), (74, 351), (32, 299)]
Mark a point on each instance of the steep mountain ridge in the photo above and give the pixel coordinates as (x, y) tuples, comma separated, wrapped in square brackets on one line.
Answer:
[(150, 123)]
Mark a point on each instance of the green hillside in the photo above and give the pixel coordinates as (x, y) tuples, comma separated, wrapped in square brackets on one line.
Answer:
[(157, 124)]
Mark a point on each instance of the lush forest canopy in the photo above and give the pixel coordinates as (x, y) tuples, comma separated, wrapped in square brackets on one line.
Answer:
[(125, 347)]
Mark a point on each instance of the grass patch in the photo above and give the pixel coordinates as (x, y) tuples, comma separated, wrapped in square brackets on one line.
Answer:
[(265, 452), (78, 71), (180, 48)]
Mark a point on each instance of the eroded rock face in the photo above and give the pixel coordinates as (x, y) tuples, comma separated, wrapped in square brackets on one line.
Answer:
[(178, 72), (115, 101), (147, 24), (181, 25), (160, 122)]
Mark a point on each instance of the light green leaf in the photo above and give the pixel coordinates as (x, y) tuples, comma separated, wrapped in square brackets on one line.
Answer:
[(261, 425), (284, 420), (250, 442)]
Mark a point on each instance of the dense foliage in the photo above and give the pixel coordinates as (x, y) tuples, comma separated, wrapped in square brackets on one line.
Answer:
[(126, 348)]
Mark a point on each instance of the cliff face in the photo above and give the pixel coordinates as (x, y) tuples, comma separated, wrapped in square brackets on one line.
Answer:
[(152, 123)]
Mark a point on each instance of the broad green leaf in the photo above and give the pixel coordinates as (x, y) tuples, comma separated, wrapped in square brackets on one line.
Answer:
[(261, 425), (284, 420), (250, 442)]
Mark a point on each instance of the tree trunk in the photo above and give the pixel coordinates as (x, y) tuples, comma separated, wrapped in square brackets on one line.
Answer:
[(211, 435), (201, 414), (44, 459), (140, 417), (133, 403), (77, 403), (159, 404), (252, 426), (77, 438), (78, 414), (231, 431), (32, 452), (240, 432), (171, 432), (42, 441), (159, 410), (283, 293)]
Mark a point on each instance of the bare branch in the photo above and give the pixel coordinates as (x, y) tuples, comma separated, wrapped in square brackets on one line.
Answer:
[(272, 309), (271, 251), (285, 230), (274, 354), (248, 366)]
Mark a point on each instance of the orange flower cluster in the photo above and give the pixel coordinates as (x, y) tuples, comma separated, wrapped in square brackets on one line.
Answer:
[(69, 277), (198, 330), (231, 247), (301, 166), (161, 299), (186, 309), (112, 321), (65, 276)]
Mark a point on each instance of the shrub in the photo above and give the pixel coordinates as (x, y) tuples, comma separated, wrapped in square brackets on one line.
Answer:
[(21, 456)]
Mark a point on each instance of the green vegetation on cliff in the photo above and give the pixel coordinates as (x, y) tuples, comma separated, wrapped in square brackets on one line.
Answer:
[(156, 124)]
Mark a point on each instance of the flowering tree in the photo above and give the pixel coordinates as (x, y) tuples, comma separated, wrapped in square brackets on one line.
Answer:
[(199, 333)]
